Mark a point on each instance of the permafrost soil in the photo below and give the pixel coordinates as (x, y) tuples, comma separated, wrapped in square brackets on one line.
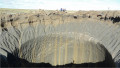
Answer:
[(58, 39)]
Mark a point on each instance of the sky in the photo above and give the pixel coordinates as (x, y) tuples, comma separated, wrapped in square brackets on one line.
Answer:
[(57, 4)]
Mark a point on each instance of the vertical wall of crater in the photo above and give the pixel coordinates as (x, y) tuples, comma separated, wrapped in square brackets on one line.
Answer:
[(43, 40)]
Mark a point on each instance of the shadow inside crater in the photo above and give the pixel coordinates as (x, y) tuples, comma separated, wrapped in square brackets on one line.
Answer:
[(14, 61)]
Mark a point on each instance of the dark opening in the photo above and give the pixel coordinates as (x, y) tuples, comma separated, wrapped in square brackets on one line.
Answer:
[(15, 61)]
